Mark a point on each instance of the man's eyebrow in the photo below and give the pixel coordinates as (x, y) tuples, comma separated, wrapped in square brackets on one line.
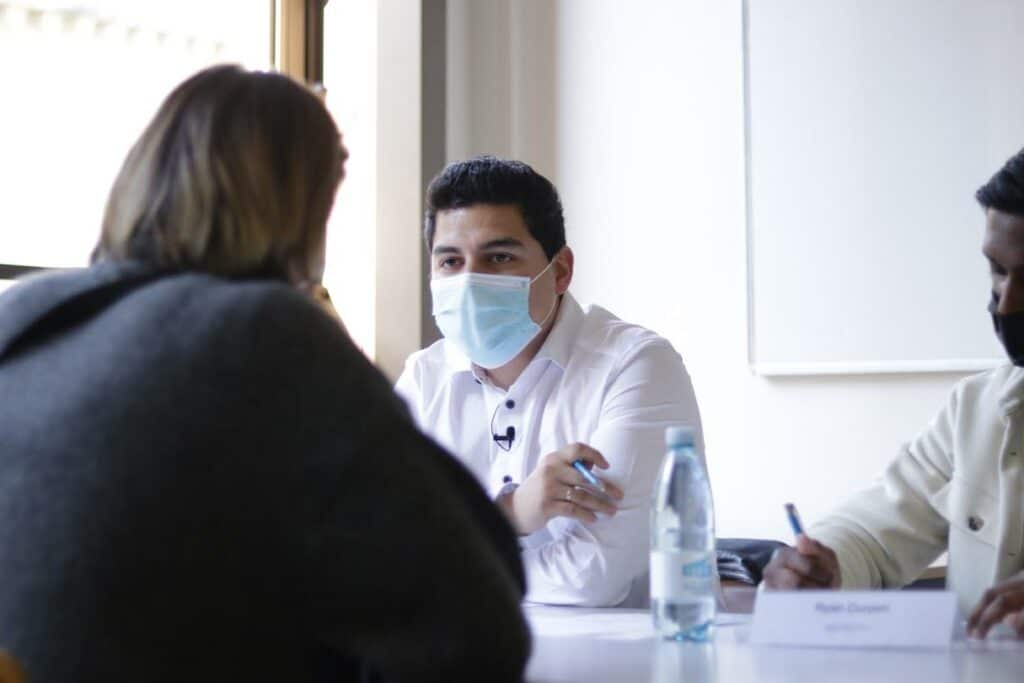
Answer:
[(503, 242), (443, 249)]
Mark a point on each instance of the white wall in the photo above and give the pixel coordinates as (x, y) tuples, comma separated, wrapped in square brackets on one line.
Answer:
[(399, 275), (501, 80), (351, 60), (648, 154), (372, 70)]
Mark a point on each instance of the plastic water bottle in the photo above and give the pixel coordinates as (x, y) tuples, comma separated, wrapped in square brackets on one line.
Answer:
[(683, 568)]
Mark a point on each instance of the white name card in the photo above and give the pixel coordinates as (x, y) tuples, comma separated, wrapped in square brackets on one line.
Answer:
[(815, 618)]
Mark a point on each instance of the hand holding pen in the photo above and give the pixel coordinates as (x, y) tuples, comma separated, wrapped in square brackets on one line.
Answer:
[(563, 485), (809, 565)]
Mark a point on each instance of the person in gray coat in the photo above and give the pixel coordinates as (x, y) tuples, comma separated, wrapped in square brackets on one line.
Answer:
[(201, 477)]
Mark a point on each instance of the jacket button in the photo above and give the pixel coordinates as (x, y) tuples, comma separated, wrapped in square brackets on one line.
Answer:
[(975, 523)]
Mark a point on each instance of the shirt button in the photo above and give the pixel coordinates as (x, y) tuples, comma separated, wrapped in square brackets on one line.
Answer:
[(975, 523), (510, 404), (506, 479)]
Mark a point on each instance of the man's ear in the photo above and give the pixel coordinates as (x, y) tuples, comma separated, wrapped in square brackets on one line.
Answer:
[(564, 260)]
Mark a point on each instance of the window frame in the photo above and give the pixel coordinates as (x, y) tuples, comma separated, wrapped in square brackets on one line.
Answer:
[(298, 39)]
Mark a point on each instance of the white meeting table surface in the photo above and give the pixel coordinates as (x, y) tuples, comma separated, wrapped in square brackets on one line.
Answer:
[(594, 645)]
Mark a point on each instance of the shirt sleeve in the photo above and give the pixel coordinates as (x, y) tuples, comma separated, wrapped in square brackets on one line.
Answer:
[(388, 549), (408, 389), (886, 535), (596, 564)]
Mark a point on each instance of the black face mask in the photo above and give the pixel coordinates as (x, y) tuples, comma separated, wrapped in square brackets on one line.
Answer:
[(1010, 330)]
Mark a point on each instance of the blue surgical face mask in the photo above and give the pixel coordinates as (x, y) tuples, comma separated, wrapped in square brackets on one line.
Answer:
[(486, 316)]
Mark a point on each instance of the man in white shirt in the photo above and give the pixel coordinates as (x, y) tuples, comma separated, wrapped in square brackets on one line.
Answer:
[(526, 383), (959, 485)]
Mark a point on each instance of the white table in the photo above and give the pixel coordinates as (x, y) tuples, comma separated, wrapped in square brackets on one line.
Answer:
[(583, 645)]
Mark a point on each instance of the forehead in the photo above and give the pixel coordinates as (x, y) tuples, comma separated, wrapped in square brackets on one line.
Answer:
[(1004, 238), (475, 225)]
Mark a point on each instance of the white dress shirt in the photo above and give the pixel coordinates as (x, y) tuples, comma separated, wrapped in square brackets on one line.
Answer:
[(595, 380)]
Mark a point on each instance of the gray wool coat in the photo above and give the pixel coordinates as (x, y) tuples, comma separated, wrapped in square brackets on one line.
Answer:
[(203, 479)]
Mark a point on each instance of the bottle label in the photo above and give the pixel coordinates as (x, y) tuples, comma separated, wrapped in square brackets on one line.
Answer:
[(681, 572)]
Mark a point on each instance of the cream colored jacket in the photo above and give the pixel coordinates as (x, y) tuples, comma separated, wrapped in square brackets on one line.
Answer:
[(959, 486)]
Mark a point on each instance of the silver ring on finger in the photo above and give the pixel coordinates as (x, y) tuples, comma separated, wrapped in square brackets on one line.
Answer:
[(568, 493)]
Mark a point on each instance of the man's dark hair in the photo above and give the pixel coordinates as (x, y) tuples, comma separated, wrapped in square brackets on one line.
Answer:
[(489, 180), (1005, 191)]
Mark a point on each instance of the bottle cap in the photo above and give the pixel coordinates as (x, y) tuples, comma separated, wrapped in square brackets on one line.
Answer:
[(678, 436)]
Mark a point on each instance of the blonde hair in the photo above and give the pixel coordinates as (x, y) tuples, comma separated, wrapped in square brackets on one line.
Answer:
[(235, 175)]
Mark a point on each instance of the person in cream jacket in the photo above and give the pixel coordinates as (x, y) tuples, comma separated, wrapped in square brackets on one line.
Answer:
[(958, 487)]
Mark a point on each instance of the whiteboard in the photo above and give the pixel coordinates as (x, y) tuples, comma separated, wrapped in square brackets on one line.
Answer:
[(869, 127)]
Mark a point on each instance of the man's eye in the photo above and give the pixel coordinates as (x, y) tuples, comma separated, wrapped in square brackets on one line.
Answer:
[(449, 263), (501, 258)]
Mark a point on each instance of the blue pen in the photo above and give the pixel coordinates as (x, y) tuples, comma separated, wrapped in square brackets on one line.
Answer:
[(794, 519), (587, 474)]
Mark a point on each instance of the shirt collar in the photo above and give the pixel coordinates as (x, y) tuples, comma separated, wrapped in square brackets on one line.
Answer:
[(1013, 392), (557, 347)]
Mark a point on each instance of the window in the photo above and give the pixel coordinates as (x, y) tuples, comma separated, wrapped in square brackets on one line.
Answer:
[(80, 80)]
